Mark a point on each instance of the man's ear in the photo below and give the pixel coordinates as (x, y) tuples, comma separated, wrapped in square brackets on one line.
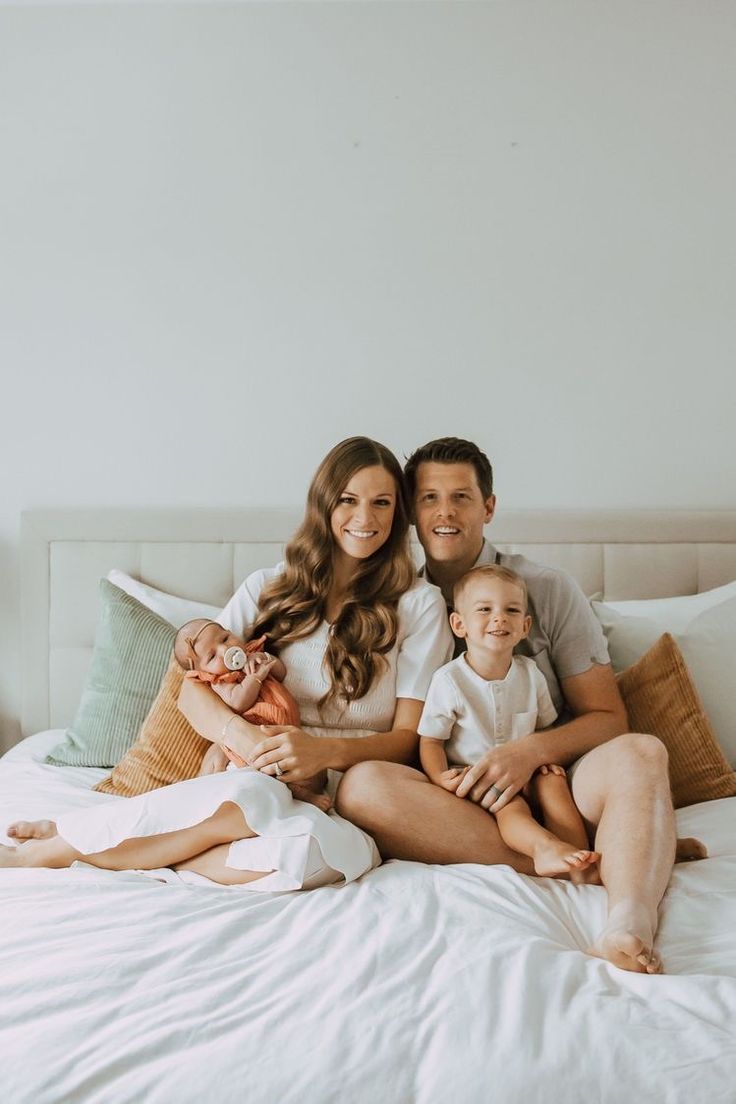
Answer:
[(490, 505), (457, 626)]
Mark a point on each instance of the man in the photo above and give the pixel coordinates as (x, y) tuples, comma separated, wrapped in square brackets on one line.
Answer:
[(619, 780)]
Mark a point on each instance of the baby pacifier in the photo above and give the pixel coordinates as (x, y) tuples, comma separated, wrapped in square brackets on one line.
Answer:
[(234, 658)]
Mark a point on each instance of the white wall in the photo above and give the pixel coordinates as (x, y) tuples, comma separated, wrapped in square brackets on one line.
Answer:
[(231, 235)]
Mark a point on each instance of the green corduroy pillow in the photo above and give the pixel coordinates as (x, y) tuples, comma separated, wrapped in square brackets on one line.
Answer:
[(132, 651)]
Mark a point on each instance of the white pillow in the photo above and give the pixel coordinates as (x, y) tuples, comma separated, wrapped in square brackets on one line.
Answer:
[(704, 626), (177, 611)]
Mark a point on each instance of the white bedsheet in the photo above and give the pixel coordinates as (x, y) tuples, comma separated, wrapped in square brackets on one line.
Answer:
[(416, 985)]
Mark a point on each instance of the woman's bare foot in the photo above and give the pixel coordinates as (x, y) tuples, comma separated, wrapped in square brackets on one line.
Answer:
[(690, 849), (32, 829), (9, 858), (553, 858), (627, 941)]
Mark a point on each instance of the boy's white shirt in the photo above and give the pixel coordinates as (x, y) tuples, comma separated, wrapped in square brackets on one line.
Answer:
[(473, 714)]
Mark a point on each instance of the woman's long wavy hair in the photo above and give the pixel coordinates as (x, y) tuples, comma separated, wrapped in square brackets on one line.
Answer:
[(294, 604)]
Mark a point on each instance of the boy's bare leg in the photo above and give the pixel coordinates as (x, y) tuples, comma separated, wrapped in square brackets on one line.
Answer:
[(142, 853), (561, 817), (559, 812), (552, 857)]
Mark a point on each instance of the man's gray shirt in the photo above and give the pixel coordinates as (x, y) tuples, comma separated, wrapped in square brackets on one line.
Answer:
[(565, 638)]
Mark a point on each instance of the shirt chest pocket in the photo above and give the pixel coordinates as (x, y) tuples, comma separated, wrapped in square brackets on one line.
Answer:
[(522, 724)]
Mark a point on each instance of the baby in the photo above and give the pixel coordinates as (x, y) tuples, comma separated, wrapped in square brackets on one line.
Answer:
[(249, 680), (489, 696)]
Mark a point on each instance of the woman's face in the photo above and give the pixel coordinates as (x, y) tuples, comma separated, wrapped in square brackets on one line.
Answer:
[(361, 522)]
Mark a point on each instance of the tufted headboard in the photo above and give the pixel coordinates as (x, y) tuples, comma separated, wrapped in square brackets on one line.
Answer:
[(205, 554)]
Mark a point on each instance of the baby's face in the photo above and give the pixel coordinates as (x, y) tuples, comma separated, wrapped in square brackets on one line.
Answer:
[(210, 647), (492, 615)]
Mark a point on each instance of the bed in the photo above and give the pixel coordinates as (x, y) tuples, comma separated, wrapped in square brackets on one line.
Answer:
[(417, 984)]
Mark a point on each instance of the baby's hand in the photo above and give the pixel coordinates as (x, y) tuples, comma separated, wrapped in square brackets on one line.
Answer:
[(451, 779), (215, 760), (259, 663)]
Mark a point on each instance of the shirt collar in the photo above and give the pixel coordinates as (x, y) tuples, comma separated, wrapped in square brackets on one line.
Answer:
[(487, 555)]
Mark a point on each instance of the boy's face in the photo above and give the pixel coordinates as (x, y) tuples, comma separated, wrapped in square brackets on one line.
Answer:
[(450, 512), (210, 647), (491, 615)]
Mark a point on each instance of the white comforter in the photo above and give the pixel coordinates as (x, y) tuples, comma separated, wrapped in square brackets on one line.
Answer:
[(416, 985)]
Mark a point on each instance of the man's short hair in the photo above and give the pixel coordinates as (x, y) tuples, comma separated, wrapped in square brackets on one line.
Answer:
[(489, 571), (450, 450)]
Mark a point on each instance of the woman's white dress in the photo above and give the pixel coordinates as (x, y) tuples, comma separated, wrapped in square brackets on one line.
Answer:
[(301, 845)]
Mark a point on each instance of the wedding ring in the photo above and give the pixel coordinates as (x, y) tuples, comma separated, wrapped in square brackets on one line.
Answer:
[(496, 791), (279, 771)]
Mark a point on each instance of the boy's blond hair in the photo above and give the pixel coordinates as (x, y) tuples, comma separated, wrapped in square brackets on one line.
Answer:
[(489, 571)]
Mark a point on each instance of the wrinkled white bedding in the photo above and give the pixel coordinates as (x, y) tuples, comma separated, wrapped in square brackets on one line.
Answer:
[(416, 985)]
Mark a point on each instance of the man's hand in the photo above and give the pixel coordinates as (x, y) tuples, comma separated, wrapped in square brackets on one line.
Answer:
[(499, 775)]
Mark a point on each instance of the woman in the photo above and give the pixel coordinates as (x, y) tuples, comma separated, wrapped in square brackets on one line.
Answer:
[(360, 637)]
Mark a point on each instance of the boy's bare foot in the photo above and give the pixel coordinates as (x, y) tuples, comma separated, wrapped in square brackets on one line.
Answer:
[(627, 941), (323, 801), (32, 829), (553, 858), (690, 849)]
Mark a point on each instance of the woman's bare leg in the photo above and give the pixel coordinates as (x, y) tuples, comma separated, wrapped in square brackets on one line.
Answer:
[(142, 853), (212, 864)]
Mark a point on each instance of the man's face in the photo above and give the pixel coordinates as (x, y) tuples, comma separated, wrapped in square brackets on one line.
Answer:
[(450, 512)]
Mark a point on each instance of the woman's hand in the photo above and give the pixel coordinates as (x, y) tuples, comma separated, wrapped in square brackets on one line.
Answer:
[(499, 775), (298, 754)]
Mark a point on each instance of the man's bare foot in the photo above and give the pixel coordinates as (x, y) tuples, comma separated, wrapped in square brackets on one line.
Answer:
[(32, 829), (554, 858), (690, 849), (627, 941), (627, 951), (323, 801)]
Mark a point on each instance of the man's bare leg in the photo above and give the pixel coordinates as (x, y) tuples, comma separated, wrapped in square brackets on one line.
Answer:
[(622, 788), (410, 818), (142, 853)]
